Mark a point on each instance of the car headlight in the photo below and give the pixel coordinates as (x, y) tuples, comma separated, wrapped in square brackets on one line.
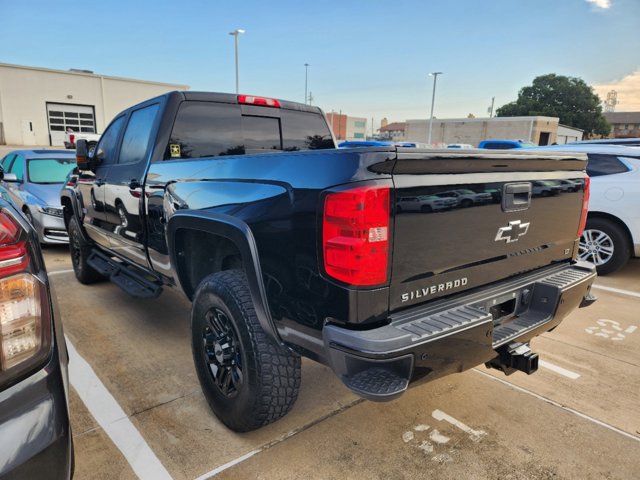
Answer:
[(54, 211)]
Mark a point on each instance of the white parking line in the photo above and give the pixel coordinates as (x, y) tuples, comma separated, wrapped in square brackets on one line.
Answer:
[(58, 272), (230, 464), (475, 435), (559, 405), (113, 419), (559, 370), (618, 290)]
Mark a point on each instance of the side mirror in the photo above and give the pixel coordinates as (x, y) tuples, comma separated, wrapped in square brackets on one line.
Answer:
[(82, 158), (10, 177)]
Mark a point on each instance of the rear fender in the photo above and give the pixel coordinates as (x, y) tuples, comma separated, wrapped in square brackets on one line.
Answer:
[(241, 236)]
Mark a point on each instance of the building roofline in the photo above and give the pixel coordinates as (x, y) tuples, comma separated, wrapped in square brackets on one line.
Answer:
[(569, 126), (94, 75), (485, 119)]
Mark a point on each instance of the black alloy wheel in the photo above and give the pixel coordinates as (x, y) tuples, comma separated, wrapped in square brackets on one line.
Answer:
[(222, 351), (247, 378)]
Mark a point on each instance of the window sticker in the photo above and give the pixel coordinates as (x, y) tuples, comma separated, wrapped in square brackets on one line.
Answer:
[(175, 150)]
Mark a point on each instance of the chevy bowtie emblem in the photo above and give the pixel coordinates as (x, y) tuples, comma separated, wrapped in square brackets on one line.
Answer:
[(513, 232)]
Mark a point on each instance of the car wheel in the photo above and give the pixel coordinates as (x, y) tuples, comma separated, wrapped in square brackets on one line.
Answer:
[(426, 209), (124, 222), (248, 380), (605, 244), (466, 203), (80, 250)]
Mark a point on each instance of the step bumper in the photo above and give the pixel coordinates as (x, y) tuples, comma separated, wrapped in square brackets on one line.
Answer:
[(455, 334)]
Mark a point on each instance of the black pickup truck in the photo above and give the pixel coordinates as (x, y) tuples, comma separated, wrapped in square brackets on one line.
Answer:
[(288, 246)]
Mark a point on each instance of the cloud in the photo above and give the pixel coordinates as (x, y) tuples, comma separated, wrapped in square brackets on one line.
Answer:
[(604, 4), (628, 89)]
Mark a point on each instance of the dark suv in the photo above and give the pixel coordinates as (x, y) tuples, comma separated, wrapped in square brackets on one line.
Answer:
[(35, 437)]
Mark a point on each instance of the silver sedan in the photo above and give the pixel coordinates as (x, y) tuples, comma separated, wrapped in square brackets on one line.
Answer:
[(33, 179)]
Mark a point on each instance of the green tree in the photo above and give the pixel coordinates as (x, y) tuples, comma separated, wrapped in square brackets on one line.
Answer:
[(568, 98)]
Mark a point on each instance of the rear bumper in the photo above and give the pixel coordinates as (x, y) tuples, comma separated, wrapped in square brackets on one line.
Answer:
[(34, 426), (457, 333)]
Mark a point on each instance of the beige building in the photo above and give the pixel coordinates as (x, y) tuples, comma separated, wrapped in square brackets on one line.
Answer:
[(37, 105), (345, 127), (538, 130)]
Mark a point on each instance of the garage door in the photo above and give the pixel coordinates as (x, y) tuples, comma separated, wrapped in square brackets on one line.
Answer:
[(79, 118)]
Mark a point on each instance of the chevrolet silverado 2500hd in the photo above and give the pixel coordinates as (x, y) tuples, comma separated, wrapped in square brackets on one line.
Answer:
[(288, 246)]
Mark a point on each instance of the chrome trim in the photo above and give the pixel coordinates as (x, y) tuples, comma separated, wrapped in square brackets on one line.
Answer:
[(11, 262)]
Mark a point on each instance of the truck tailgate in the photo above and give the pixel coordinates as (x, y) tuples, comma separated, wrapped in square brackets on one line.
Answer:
[(468, 219)]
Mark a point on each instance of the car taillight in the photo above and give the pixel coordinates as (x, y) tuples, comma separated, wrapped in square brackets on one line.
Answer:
[(25, 330), (263, 101), (72, 138), (585, 206), (355, 235)]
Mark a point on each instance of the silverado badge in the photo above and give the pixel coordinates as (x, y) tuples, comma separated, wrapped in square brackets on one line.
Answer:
[(513, 232)]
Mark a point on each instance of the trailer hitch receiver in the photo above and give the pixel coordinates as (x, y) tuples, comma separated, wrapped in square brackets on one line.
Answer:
[(515, 357)]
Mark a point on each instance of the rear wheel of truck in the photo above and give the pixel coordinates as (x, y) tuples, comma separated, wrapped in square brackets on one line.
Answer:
[(80, 250), (248, 380), (605, 244)]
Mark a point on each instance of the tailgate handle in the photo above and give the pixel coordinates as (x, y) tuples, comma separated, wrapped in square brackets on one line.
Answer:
[(516, 196)]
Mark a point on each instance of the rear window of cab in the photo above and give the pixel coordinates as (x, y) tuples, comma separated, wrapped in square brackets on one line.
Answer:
[(208, 129)]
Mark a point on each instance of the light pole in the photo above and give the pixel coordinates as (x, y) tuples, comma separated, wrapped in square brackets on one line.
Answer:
[(306, 77), (433, 99), (235, 33)]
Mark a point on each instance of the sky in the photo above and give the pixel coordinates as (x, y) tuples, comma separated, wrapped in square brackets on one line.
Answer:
[(367, 58)]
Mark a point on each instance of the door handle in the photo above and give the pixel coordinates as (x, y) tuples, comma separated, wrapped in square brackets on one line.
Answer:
[(133, 184), (516, 197)]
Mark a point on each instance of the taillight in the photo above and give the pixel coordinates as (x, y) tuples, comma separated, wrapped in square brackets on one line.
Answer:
[(25, 330), (585, 206), (355, 235), (263, 101), (72, 138), (13, 252)]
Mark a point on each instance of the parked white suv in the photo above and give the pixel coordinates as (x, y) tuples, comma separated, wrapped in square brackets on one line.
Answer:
[(612, 234)]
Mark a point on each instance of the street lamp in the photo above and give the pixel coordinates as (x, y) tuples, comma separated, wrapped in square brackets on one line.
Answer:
[(235, 33), (306, 76), (433, 99)]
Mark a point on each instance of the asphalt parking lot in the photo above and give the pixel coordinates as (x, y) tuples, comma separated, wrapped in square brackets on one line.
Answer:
[(137, 409)]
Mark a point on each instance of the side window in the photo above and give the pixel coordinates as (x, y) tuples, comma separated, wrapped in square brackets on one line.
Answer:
[(206, 129), (599, 165), (6, 161), (137, 135), (18, 167), (106, 149)]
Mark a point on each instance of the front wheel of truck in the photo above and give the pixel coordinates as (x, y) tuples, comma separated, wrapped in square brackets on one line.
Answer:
[(80, 250), (248, 380)]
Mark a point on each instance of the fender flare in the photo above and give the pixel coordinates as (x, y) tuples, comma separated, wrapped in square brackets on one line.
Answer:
[(241, 235), (71, 195)]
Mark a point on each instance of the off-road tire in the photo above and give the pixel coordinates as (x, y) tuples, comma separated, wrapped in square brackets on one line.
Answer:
[(80, 250), (270, 372)]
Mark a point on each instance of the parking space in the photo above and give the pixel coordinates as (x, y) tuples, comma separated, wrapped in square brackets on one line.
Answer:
[(577, 417)]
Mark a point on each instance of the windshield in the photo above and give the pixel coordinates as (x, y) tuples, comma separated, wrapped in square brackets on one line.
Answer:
[(50, 170)]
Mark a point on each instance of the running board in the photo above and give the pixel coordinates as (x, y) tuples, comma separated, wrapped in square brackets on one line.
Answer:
[(127, 279)]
